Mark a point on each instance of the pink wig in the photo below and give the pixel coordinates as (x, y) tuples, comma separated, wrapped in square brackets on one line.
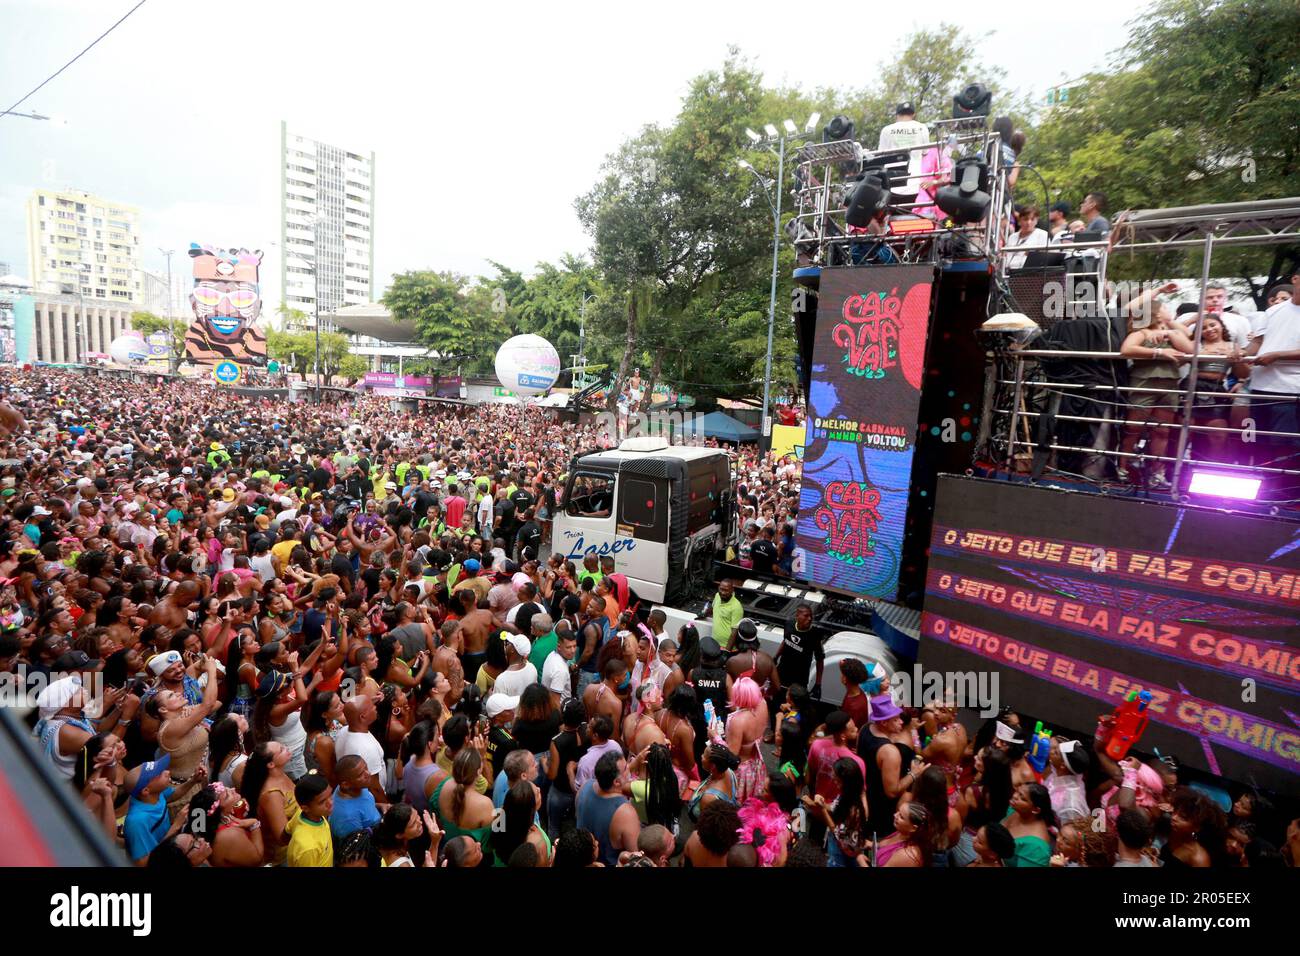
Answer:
[(765, 827), (746, 694)]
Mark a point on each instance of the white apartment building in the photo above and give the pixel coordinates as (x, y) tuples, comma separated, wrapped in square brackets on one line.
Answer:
[(79, 243), (327, 217)]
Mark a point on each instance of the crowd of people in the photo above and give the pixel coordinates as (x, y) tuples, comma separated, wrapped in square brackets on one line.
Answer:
[(256, 633)]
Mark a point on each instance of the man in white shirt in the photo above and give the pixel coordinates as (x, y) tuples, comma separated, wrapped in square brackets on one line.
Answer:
[(1275, 379), (357, 739), (485, 516), (557, 667), (904, 133), (1028, 236), (1281, 292), (519, 674)]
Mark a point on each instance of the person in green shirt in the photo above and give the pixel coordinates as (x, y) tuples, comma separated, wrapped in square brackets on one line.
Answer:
[(726, 611), (590, 569), (217, 455), (544, 640), (310, 841)]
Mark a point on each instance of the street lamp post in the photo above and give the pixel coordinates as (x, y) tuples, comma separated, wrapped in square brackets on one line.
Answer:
[(780, 138), (314, 222), (81, 300), (171, 331), (582, 340)]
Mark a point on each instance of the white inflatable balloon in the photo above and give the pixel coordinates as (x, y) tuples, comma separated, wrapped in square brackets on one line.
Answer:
[(129, 350), (527, 364)]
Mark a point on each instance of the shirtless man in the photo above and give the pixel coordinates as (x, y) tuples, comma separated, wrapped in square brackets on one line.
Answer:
[(367, 548), (607, 698), (640, 730), (1010, 738), (752, 662), (446, 660), (476, 627), (173, 610)]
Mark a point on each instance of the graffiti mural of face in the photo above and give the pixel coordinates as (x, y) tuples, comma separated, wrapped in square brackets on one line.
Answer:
[(226, 306)]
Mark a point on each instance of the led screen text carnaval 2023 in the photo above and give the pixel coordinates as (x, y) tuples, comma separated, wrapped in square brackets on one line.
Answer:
[(867, 362)]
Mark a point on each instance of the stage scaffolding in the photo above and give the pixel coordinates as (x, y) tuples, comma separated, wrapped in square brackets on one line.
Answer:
[(1016, 377)]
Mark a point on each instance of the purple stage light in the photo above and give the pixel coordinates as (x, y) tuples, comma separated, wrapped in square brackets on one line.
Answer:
[(1222, 485)]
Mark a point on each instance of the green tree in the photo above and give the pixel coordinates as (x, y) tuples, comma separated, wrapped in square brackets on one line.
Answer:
[(291, 318), (673, 218), (147, 323), (1199, 107), (550, 304), (293, 350), (458, 320)]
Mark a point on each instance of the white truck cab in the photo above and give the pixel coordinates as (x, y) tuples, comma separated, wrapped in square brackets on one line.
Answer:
[(661, 511)]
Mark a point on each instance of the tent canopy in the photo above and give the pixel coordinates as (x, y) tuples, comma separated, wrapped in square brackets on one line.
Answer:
[(721, 426)]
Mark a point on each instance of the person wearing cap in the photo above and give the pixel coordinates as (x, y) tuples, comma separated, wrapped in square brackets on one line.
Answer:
[(1069, 763), (885, 759), (751, 661), (1058, 221), (519, 672), (712, 683), (500, 710), (147, 823), (62, 729), (1011, 740), (480, 584), (182, 727), (218, 457)]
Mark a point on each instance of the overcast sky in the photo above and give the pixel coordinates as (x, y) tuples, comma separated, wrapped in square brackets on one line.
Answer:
[(178, 110)]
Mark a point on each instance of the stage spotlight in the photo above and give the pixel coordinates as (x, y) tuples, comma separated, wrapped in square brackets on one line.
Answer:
[(753, 137), (975, 100), (1221, 485), (790, 128), (812, 122), (771, 131), (968, 199), (869, 198), (840, 127)]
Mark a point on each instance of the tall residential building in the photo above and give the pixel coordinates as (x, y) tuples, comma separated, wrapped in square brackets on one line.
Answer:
[(83, 244), (327, 193)]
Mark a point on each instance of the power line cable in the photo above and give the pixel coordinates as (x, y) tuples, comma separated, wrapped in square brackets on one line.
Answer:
[(37, 88)]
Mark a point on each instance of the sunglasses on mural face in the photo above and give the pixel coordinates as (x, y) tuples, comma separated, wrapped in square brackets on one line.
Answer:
[(237, 298)]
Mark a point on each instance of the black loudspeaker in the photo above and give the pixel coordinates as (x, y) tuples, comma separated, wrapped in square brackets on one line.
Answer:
[(975, 100), (952, 397), (804, 310), (968, 200), (869, 198), (840, 127)]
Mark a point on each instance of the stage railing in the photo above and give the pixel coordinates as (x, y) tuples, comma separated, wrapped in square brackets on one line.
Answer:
[(1030, 393), (823, 186)]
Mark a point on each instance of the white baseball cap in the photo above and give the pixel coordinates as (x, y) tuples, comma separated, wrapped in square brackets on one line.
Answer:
[(523, 647), (498, 704)]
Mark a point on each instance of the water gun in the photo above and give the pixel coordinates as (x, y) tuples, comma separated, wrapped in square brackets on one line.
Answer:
[(1131, 719), (1040, 748)]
